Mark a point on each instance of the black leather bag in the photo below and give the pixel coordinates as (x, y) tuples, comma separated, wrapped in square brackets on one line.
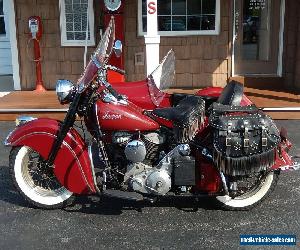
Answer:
[(190, 120), (245, 139)]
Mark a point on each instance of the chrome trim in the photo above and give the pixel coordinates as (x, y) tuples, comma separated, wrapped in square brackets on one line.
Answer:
[(93, 168), (64, 91), (24, 119), (95, 61), (109, 98), (123, 101), (118, 48), (81, 87), (5, 142), (224, 183), (104, 180), (96, 110)]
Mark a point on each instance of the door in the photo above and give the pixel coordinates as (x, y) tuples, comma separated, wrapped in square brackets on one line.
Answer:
[(257, 36), (5, 46)]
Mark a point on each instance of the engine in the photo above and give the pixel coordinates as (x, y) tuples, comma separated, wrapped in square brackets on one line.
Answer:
[(158, 179), (149, 169), (138, 148)]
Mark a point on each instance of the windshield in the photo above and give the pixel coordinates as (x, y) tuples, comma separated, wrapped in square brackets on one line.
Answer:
[(163, 77), (100, 55)]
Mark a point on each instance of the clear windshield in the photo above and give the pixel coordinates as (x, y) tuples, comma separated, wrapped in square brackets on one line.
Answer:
[(163, 77), (100, 55)]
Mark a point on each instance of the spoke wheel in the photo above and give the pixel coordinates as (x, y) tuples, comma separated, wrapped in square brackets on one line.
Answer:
[(36, 181), (250, 191)]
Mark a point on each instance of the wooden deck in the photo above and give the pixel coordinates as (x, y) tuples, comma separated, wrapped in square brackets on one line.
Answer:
[(46, 101), (30, 100)]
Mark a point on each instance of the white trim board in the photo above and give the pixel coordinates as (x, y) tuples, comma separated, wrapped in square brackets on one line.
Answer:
[(281, 38), (14, 44)]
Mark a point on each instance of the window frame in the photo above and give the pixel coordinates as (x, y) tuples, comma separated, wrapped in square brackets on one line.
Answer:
[(63, 30), (216, 31), (5, 37)]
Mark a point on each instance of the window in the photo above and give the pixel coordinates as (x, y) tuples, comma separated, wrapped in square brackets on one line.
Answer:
[(2, 21), (73, 22), (183, 17)]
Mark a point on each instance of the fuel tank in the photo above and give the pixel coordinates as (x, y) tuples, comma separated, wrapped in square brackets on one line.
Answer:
[(124, 117)]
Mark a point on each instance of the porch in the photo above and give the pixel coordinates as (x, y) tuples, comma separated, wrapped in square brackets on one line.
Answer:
[(45, 104)]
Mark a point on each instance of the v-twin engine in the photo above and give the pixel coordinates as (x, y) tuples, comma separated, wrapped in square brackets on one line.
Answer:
[(155, 180)]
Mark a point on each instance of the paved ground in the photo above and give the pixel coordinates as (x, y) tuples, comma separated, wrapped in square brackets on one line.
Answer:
[(7, 83), (169, 224)]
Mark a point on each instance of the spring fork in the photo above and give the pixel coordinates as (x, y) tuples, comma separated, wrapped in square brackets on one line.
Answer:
[(104, 157)]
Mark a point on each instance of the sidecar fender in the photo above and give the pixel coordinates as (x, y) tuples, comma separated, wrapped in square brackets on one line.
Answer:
[(72, 163)]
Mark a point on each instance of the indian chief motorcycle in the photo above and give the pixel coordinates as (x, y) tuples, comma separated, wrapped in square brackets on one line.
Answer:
[(145, 144)]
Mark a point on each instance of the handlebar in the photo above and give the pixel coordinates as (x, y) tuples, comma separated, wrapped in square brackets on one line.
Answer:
[(113, 92), (116, 69), (102, 79)]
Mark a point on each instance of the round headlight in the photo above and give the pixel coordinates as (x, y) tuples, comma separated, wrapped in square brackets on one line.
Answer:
[(64, 91)]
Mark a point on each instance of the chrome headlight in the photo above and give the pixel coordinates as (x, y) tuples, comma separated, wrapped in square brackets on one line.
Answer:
[(65, 91)]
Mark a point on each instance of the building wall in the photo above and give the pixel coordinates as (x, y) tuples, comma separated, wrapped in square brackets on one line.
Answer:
[(200, 60), (57, 62), (297, 54), (291, 45)]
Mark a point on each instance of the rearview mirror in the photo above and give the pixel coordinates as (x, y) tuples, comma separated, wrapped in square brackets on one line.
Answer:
[(118, 48)]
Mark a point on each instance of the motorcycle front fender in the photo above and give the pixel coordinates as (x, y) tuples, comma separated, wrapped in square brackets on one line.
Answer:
[(72, 165)]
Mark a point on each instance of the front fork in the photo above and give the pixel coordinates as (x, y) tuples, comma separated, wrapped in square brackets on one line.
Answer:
[(64, 129)]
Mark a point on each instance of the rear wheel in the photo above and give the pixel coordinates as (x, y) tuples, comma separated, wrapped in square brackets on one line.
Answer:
[(250, 196), (36, 181)]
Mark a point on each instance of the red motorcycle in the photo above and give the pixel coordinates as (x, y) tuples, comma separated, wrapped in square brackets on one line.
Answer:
[(146, 144)]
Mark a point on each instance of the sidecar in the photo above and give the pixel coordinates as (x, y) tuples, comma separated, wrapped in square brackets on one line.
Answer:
[(154, 91)]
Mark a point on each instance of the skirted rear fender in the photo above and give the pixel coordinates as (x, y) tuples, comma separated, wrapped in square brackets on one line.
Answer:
[(72, 165)]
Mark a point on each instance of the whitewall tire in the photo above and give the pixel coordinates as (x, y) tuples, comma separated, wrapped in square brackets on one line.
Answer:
[(253, 197), (34, 182)]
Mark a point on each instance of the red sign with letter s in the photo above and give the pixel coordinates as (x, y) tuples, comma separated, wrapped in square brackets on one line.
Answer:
[(151, 8)]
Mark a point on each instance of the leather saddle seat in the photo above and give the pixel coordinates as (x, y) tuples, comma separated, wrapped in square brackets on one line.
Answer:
[(182, 112), (232, 94)]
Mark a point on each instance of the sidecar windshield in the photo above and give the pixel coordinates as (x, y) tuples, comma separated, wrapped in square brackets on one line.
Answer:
[(162, 78), (100, 56)]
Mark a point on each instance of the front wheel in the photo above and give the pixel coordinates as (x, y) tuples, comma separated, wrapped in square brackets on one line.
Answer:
[(36, 181), (261, 189)]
